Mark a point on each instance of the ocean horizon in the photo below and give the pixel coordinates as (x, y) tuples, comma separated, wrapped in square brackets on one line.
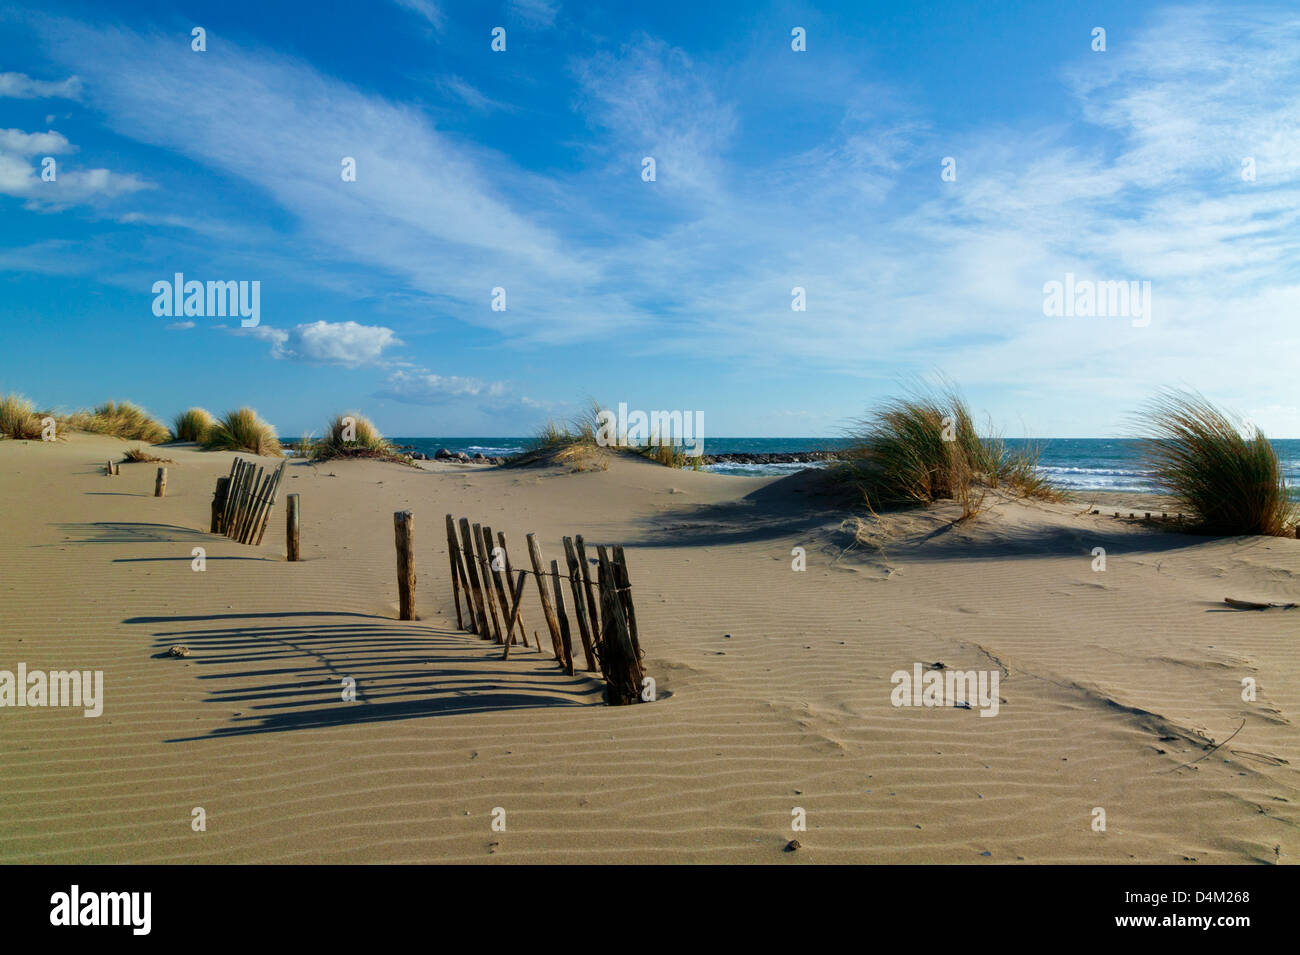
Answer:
[(1075, 464)]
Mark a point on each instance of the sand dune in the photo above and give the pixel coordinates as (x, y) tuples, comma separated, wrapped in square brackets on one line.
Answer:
[(774, 685)]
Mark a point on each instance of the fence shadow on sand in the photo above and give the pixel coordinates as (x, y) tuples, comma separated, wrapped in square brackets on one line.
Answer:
[(291, 675)]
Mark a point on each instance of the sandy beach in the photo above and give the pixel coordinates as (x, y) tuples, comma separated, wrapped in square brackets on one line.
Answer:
[(1118, 688)]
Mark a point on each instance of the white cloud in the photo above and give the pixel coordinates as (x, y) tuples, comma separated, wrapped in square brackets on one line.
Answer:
[(539, 13), (22, 86), (426, 388), (427, 10), (331, 343)]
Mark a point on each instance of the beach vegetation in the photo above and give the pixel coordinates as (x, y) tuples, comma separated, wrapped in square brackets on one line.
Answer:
[(243, 430), (1221, 470), (192, 425)]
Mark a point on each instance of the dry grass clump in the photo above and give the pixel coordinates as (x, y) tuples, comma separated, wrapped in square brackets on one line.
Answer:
[(120, 420), (571, 444), (350, 436), (243, 430), (18, 418), (1225, 475), (192, 425), (140, 455), (924, 448)]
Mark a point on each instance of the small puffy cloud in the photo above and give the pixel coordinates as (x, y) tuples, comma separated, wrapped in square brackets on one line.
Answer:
[(20, 178), (22, 86), (180, 326), (329, 343), (18, 143)]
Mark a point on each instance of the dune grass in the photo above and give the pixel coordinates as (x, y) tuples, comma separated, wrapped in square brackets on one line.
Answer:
[(569, 443), (1225, 475), (243, 430), (18, 418), (120, 420), (351, 435), (141, 456), (924, 448), (192, 425)]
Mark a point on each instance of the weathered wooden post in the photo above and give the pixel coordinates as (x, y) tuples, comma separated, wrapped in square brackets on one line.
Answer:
[(404, 528), (471, 570), (291, 524), (535, 555), (579, 603), (514, 616), (218, 504), (108, 469), (455, 577), (593, 608), (160, 483), (566, 635)]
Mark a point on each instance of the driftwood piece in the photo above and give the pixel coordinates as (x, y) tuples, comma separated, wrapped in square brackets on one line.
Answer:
[(1251, 605)]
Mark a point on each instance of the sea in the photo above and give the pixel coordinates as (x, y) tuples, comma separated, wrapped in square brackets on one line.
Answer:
[(1076, 464)]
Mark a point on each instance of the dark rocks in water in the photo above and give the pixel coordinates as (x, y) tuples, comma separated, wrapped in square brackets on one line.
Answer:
[(775, 457), (442, 454), (480, 457)]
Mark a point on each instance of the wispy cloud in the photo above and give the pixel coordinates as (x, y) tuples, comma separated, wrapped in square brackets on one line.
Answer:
[(429, 11)]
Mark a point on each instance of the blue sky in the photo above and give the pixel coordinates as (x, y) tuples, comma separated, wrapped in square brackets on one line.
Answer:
[(522, 169)]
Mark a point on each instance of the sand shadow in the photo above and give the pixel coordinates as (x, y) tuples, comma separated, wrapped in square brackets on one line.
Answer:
[(796, 504), (292, 676), (124, 532)]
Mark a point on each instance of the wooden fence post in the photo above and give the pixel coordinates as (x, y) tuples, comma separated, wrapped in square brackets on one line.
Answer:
[(514, 614), (566, 636), (502, 589), (291, 523), (548, 611), (486, 569), (467, 552), (219, 503), (625, 588), (579, 604), (160, 483), (510, 572), (403, 527), (455, 578), (623, 674), (593, 608)]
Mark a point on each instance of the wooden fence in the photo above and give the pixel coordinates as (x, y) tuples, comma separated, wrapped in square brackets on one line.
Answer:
[(489, 590), (242, 502)]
